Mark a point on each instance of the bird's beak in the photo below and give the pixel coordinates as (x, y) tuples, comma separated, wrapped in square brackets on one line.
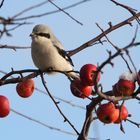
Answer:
[(31, 35)]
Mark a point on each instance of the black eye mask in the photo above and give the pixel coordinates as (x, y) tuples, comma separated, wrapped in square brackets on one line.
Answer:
[(47, 35)]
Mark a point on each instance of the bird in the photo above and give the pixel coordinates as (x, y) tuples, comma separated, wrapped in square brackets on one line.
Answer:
[(48, 53)]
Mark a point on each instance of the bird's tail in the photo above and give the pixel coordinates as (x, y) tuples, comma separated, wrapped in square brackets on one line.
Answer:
[(73, 75)]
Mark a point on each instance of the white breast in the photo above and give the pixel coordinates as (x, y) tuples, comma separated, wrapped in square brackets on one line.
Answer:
[(45, 55)]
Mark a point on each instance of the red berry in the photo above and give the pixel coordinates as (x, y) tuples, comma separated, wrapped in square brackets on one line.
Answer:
[(4, 106), (123, 114), (88, 74), (107, 113), (25, 88), (125, 87), (80, 90)]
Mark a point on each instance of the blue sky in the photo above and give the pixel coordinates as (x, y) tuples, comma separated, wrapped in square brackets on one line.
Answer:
[(39, 106)]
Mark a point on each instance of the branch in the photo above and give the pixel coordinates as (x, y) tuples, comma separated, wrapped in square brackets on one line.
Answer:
[(60, 9), (107, 96), (135, 123), (1, 4), (9, 21), (128, 54), (30, 8), (108, 61), (51, 12), (60, 99), (117, 48), (13, 47), (56, 104), (20, 72), (4, 80), (131, 10), (107, 31), (34, 73), (84, 133)]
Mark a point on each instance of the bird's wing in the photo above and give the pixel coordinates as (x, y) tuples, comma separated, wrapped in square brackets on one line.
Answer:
[(64, 54), (56, 42)]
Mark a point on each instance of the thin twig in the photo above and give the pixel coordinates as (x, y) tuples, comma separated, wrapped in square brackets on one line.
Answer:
[(46, 125), (65, 101), (1, 4), (13, 47), (107, 61), (131, 10), (51, 12), (19, 72), (65, 12), (117, 48), (56, 104), (107, 31), (137, 124), (88, 118), (128, 54), (42, 123), (34, 73), (30, 8), (18, 25), (120, 117)]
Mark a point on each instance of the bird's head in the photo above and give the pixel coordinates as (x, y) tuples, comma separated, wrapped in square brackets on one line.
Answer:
[(41, 32)]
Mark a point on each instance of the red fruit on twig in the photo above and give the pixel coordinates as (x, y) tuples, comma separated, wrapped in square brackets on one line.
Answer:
[(80, 90), (123, 113), (88, 74), (107, 113), (125, 87), (25, 88)]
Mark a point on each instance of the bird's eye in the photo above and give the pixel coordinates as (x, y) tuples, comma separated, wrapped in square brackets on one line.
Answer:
[(47, 35)]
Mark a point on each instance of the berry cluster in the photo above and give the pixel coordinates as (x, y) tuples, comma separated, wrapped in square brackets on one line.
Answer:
[(82, 87), (108, 112)]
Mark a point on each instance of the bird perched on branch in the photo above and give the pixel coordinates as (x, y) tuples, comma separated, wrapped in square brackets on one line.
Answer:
[(48, 52)]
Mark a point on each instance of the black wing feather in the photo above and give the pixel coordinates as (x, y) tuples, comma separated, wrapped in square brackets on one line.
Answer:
[(64, 54)]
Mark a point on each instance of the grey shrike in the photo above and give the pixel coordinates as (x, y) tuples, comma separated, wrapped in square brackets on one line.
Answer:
[(48, 53)]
